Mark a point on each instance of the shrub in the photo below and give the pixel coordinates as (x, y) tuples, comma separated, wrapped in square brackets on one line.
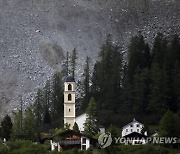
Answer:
[(4, 149), (26, 147)]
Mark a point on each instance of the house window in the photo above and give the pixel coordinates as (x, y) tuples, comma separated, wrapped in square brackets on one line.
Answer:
[(83, 147), (69, 87), (126, 130), (69, 110), (83, 140), (137, 130), (137, 125), (131, 130), (69, 97), (131, 125)]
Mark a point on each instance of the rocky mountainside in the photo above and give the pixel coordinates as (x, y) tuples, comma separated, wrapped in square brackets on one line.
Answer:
[(35, 34)]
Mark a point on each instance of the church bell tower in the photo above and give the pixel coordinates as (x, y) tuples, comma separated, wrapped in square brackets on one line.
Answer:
[(69, 101)]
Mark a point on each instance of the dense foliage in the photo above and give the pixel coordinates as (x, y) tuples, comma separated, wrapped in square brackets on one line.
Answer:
[(27, 147), (144, 86)]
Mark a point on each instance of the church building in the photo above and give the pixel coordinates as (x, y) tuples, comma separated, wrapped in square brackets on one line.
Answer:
[(69, 138)]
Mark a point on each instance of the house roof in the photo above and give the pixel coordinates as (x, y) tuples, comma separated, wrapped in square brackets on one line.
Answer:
[(134, 120), (71, 131), (84, 114)]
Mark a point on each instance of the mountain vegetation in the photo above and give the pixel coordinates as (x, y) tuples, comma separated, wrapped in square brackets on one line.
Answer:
[(143, 86)]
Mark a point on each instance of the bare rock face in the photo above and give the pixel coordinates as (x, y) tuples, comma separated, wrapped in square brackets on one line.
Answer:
[(35, 35)]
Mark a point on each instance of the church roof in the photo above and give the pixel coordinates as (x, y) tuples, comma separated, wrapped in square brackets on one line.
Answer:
[(69, 79)]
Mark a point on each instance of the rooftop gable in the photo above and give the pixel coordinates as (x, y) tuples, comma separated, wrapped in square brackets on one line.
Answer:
[(132, 122)]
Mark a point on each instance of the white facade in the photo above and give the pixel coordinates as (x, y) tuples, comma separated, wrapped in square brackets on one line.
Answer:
[(133, 126), (80, 120), (85, 143)]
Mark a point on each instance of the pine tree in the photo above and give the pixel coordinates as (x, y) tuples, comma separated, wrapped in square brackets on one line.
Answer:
[(156, 90), (86, 83), (107, 76), (57, 100), (29, 125), (47, 94), (141, 90), (65, 65), (91, 124), (6, 125), (39, 110), (17, 129), (47, 117), (76, 127), (138, 55), (167, 124), (73, 61), (159, 50)]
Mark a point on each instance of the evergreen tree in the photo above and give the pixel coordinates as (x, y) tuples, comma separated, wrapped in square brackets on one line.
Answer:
[(6, 125), (138, 55), (65, 66), (167, 124), (76, 127), (174, 49), (107, 76), (39, 110), (134, 80), (95, 79), (57, 100), (17, 129), (86, 83), (156, 90), (73, 61), (159, 50), (141, 90), (91, 124), (29, 125), (47, 94), (47, 117), (113, 130)]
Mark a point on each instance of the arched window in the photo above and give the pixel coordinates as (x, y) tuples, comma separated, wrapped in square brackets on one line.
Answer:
[(69, 97), (69, 87), (69, 110)]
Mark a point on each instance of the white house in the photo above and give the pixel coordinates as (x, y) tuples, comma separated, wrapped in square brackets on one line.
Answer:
[(131, 127), (132, 132)]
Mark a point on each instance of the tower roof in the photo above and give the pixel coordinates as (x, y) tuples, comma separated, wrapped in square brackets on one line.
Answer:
[(69, 79)]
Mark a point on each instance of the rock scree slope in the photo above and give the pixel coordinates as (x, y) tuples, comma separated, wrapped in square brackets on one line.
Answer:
[(35, 34)]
